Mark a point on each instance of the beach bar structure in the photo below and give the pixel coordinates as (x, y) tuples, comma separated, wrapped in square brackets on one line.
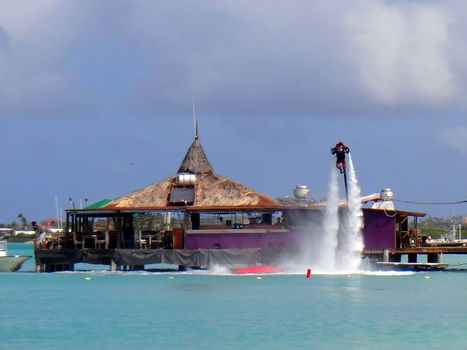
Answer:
[(194, 218), (197, 218)]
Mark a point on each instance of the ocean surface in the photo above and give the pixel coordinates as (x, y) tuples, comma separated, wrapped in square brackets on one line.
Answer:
[(216, 310)]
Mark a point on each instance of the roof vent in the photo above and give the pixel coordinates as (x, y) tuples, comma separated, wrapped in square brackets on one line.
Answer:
[(186, 179), (301, 192), (386, 194)]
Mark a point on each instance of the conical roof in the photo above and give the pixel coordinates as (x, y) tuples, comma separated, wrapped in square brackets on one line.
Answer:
[(211, 190), (195, 161)]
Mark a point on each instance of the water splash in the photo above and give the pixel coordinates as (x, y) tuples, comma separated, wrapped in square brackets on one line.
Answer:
[(340, 241), (334, 241), (330, 227), (350, 242)]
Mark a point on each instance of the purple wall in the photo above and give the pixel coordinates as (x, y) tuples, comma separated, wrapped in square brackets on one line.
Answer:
[(379, 230), (241, 240), (378, 233)]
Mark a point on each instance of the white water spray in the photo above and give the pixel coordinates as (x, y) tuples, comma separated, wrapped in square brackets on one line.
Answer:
[(341, 240), (330, 227), (350, 243)]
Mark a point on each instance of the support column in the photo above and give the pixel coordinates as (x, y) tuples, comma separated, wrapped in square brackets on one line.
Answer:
[(113, 265), (412, 258), (385, 255), (434, 257), (395, 258)]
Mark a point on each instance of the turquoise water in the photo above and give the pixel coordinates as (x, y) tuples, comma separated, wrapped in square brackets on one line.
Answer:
[(103, 310)]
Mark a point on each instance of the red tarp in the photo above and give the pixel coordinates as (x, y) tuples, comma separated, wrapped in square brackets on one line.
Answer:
[(256, 269)]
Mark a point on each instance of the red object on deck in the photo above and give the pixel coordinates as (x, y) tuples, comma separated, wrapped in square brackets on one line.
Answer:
[(256, 269), (177, 237), (308, 273)]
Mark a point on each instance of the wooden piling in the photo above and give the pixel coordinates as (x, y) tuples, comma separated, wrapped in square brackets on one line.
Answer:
[(434, 257)]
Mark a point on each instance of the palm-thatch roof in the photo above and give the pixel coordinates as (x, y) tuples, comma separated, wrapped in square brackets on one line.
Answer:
[(195, 161), (211, 190)]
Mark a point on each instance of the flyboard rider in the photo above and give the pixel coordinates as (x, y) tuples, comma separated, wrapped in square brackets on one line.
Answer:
[(340, 149)]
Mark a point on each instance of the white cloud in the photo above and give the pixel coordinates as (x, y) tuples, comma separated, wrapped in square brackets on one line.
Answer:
[(263, 57), (341, 59), (401, 53)]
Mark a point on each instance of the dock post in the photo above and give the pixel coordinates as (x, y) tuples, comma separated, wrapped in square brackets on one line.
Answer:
[(434, 257), (412, 258), (395, 258), (386, 255), (113, 265), (39, 267)]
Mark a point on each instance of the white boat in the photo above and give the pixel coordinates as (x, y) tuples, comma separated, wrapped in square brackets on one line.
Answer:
[(10, 263)]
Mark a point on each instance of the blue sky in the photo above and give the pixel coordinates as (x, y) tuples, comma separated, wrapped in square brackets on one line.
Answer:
[(95, 97)]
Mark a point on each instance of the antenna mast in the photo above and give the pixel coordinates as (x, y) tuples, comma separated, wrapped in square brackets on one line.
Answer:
[(195, 120)]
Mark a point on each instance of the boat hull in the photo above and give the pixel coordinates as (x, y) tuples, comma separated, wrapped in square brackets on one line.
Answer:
[(12, 263)]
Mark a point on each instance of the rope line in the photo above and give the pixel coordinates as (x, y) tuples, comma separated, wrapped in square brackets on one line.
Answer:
[(458, 264), (430, 203)]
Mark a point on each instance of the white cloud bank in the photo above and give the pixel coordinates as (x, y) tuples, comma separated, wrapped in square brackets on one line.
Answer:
[(402, 54), (309, 58)]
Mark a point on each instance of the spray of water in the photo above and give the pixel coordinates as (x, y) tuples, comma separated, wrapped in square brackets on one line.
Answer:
[(330, 227), (340, 240), (334, 242), (350, 240)]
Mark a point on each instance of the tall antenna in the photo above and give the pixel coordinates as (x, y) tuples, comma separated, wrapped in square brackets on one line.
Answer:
[(195, 120)]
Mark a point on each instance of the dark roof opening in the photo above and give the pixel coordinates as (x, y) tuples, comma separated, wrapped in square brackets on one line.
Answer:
[(182, 195)]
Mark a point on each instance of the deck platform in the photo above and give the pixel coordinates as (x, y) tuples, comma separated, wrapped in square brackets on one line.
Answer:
[(420, 250), (52, 260), (400, 266), (392, 258)]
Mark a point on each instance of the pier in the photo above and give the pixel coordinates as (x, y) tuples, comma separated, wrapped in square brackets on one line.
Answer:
[(197, 218), (392, 258)]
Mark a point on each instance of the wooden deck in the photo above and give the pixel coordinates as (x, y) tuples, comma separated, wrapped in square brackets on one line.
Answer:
[(400, 266), (421, 250)]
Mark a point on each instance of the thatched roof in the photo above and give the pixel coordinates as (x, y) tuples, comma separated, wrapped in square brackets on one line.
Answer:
[(211, 190), (195, 161)]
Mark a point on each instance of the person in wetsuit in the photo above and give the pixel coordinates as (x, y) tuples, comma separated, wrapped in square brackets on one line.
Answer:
[(340, 150)]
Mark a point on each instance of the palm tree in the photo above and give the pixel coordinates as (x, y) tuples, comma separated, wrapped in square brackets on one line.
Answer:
[(23, 220)]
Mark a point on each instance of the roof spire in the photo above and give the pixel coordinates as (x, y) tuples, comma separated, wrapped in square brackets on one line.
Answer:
[(195, 120), (195, 161)]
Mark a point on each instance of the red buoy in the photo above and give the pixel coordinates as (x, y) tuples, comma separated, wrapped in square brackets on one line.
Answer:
[(308, 273)]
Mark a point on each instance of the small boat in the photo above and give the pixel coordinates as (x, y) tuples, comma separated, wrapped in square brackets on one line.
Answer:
[(10, 263)]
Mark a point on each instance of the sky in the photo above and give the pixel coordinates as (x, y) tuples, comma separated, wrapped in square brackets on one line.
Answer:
[(96, 96)]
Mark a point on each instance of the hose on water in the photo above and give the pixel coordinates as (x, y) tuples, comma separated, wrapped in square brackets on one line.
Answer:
[(430, 203)]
